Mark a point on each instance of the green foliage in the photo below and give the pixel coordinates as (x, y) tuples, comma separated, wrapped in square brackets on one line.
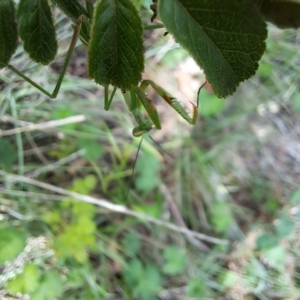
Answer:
[(26, 282), (265, 70), (61, 113), (256, 271), (31, 281), (148, 168), (228, 279), (78, 231), (12, 243), (226, 39), (50, 287), (296, 102), (75, 239), (275, 256), (266, 241), (8, 155), (207, 41), (131, 244), (8, 31), (220, 215), (270, 244), (284, 227), (37, 31), (93, 149), (210, 104), (295, 198), (93, 252), (138, 3), (144, 282), (175, 261), (196, 288), (116, 50)]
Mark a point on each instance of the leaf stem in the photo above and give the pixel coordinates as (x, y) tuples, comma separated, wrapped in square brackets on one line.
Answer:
[(151, 27)]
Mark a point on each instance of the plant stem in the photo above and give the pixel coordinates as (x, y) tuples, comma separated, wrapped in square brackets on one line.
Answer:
[(151, 27), (19, 141)]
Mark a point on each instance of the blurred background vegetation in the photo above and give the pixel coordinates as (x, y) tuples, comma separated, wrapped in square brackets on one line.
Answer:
[(233, 178)]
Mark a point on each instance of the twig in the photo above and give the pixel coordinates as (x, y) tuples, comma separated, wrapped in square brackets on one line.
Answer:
[(179, 220), (31, 195), (45, 125), (36, 149), (113, 207), (56, 164), (52, 166)]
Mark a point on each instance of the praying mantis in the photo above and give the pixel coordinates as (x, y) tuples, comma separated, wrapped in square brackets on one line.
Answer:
[(86, 27)]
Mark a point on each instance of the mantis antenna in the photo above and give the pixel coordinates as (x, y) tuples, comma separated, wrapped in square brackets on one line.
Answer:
[(133, 168)]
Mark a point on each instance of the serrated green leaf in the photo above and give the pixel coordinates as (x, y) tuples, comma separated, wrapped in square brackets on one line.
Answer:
[(8, 31), (226, 38), (283, 14), (116, 48), (12, 243), (37, 31)]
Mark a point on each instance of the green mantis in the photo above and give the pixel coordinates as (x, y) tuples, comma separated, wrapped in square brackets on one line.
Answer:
[(138, 98), (98, 29)]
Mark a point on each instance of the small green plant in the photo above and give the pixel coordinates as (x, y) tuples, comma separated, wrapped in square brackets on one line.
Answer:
[(226, 38), (75, 229)]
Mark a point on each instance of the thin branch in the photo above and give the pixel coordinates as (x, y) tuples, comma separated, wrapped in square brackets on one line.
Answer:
[(31, 195), (112, 207), (56, 164), (52, 166), (45, 125), (36, 149)]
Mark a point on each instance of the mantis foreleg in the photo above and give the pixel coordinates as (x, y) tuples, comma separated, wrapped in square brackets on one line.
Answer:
[(145, 124), (53, 95), (172, 101), (108, 100)]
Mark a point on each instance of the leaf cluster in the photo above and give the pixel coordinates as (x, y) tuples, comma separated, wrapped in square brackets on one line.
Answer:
[(226, 38)]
